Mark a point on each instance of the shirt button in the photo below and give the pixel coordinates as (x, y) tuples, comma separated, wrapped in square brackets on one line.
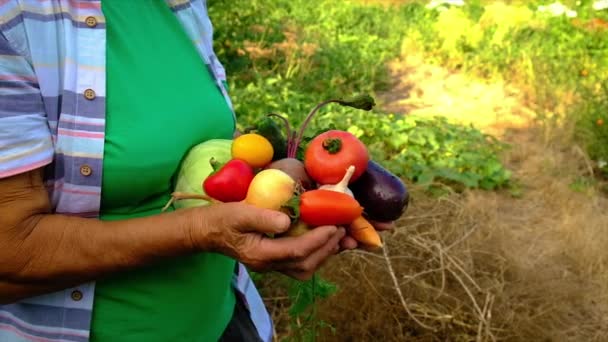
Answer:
[(91, 21), (76, 295), (89, 94), (86, 170)]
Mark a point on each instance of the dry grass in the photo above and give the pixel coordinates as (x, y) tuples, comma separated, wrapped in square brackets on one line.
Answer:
[(482, 266)]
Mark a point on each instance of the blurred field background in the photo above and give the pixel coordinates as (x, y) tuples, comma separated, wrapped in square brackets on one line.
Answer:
[(495, 114)]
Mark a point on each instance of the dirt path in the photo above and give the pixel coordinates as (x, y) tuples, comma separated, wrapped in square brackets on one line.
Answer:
[(419, 88), (552, 241)]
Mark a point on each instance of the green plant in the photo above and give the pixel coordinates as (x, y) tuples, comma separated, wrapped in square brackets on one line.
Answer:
[(305, 325), (282, 56), (561, 63), (592, 125), (427, 150)]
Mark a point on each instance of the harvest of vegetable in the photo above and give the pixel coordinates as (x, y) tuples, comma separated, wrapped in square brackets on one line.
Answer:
[(331, 180)]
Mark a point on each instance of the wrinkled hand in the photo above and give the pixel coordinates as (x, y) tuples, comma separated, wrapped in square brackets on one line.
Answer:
[(239, 231), (348, 242)]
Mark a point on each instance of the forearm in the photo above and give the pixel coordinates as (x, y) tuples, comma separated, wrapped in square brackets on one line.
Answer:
[(54, 251), (41, 252), (71, 248)]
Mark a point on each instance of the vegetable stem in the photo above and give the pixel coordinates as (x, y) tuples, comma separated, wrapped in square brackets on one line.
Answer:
[(176, 196), (291, 151), (332, 145), (363, 102), (215, 164), (298, 137), (343, 184)]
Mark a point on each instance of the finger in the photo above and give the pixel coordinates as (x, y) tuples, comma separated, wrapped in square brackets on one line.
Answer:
[(247, 218), (305, 268), (332, 246), (295, 248), (383, 225), (348, 243)]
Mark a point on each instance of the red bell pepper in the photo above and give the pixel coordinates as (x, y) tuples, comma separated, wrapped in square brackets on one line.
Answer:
[(229, 182)]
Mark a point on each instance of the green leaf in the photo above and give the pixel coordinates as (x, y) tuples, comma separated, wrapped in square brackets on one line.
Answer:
[(305, 293), (364, 102), (293, 207)]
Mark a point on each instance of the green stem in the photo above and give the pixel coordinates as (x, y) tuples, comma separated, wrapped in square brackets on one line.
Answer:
[(215, 164)]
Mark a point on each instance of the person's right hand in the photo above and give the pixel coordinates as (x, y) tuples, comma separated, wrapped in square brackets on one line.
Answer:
[(239, 231)]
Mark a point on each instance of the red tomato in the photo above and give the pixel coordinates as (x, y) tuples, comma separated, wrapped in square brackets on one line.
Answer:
[(329, 154), (327, 207)]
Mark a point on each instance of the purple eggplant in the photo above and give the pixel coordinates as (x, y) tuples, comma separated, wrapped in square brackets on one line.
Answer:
[(382, 195)]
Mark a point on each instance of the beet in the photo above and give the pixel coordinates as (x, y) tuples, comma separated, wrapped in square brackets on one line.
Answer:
[(382, 195), (295, 169)]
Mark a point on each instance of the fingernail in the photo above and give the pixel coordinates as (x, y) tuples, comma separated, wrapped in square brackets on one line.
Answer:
[(342, 231)]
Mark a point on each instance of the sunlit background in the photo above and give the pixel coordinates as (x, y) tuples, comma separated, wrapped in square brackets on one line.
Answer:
[(495, 114)]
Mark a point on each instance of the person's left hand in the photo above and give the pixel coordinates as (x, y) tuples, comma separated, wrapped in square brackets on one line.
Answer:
[(348, 242)]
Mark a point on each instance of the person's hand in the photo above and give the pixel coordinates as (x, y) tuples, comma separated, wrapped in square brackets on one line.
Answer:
[(349, 243), (239, 231)]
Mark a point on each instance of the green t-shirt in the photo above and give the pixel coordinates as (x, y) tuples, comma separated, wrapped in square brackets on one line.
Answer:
[(161, 101)]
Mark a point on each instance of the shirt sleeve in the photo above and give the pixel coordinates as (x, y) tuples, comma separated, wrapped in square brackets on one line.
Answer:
[(218, 67), (25, 136)]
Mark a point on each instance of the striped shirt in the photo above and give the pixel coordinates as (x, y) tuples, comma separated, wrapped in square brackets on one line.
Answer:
[(52, 115)]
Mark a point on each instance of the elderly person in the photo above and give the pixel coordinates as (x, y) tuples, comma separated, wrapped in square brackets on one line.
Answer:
[(99, 102)]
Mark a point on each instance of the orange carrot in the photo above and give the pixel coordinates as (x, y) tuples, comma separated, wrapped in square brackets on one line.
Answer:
[(364, 232)]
